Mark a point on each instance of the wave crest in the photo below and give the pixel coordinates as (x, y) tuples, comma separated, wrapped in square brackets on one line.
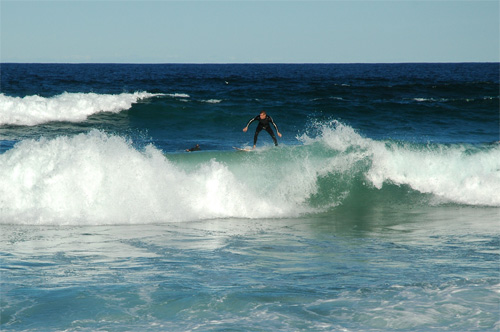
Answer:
[(457, 173), (71, 107)]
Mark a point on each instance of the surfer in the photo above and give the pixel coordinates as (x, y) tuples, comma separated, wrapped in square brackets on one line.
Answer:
[(194, 148), (265, 122)]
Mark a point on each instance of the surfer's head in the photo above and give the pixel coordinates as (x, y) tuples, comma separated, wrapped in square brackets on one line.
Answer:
[(263, 114)]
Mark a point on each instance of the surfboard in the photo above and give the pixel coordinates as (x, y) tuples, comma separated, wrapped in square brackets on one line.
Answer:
[(240, 149)]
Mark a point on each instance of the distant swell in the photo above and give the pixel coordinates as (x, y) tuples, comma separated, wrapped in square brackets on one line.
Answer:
[(71, 107)]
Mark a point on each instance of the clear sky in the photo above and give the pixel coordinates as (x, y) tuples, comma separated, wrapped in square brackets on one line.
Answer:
[(249, 31)]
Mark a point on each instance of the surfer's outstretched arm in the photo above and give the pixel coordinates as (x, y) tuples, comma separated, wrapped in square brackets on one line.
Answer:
[(249, 122)]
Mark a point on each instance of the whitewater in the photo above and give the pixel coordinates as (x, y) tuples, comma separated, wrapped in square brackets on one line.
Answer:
[(97, 178)]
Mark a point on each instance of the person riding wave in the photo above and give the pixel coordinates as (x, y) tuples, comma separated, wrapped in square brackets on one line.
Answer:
[(265, 122)]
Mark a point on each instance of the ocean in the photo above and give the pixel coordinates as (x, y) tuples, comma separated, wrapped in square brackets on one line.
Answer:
[(379, 210)]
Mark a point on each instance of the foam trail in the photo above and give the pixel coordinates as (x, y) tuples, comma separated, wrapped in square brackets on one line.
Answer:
[(178, 95), (72, 107)]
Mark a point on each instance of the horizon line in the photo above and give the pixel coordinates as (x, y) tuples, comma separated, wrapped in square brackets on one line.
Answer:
[(248, 63)]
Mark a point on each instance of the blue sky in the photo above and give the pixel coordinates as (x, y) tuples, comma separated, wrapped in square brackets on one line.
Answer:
[(249, 31)]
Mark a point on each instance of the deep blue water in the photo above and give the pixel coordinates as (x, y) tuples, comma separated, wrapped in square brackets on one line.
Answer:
[(379, 210), (445, 103)]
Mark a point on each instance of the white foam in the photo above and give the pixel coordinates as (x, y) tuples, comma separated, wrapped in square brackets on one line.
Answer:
[(212, 101), (178, 95), (96, 178), (72, 107), (449, 173), (421, 100), (459, 174)]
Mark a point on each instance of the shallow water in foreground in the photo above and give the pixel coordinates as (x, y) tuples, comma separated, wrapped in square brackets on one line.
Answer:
[(428, 268)]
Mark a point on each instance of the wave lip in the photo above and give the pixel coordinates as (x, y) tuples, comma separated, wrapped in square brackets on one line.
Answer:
[(71, 107)]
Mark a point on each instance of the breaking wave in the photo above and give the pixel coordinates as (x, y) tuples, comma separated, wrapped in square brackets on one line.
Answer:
[(71, 107), (99, 178)]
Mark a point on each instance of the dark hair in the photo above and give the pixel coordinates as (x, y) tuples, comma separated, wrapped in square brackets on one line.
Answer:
[(263, 112)]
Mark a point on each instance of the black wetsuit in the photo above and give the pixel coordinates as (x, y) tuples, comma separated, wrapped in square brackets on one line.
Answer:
[(194, 148), (266, 125)]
